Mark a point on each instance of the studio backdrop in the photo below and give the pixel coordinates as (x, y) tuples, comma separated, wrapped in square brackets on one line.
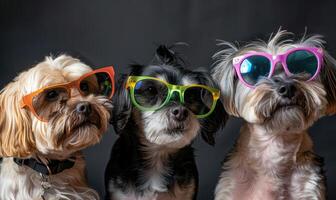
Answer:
[(122, 32)]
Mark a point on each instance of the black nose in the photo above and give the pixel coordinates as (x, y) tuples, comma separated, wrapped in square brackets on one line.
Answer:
[(83, 108), (287, 90), (179, 113)]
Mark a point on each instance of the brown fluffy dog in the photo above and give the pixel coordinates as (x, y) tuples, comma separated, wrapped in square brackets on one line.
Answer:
[(54, 143)]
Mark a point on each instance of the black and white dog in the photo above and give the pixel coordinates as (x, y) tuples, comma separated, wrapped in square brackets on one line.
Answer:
[(153, 157)]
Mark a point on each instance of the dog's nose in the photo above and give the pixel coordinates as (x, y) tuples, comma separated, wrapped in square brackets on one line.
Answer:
[(287, 90), (179, 113), (83, 108)]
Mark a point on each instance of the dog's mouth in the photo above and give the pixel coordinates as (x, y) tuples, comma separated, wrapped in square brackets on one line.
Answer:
[(89, 122), (177, 128), (287, 107)]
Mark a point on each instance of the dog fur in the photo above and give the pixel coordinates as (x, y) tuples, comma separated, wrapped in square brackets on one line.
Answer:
[(62, 137), (273, 157), (151, 160)]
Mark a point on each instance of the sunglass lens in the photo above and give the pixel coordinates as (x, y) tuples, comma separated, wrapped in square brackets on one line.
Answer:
[(199, 100), (98, 84), (302, 62), (49, 101), (254, 68), (150, 93)]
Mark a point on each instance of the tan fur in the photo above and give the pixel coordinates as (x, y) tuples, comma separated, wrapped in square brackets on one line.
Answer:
[(63, 136), (270, 166), (15, 127)]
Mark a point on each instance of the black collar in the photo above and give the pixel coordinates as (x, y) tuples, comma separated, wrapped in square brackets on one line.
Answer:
[(53, 167)]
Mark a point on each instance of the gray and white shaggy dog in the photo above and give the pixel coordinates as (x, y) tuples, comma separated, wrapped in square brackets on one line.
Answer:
[(273, 157)]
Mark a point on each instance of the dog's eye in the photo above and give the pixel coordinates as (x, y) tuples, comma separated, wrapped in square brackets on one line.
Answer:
[(52, 95), (151, 90), (84, 87)]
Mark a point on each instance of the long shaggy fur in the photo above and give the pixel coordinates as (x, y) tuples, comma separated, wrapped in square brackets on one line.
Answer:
[(22, 135), (273, 157)]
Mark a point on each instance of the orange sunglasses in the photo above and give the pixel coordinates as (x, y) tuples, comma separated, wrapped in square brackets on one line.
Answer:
[(42, 102)]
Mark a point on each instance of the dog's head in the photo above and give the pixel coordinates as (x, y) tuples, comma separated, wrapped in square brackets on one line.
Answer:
[(174, 125), (283, 102), (74, 121)]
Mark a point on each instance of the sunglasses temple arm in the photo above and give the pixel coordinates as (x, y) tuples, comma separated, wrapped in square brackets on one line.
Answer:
[(127, 85), (22, 104)]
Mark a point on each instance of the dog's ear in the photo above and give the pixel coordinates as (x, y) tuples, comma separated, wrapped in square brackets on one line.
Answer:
[(16, 135), (328, 76), (225, 76), (166, 55), (122, 108), (217, 119), (213, 123)]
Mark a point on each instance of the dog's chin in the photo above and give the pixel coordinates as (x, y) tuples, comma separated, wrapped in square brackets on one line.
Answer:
[(176, 135), (79, 135), (287, 109), (89, 134), (166, 136), (83, 137), (87, 125), (287, 118)]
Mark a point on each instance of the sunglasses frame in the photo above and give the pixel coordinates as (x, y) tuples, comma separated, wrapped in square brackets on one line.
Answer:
[(274, 59), (180, 89), (27, 100)]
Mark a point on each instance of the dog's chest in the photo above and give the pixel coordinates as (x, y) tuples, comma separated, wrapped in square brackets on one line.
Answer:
[(18, 183), (22, 183), (257, 179), (156, 179), (274, 155), (177, 193), (255, 189), (154, 183)]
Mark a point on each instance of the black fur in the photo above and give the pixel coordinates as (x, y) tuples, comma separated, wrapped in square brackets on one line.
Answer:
[(128, 162)]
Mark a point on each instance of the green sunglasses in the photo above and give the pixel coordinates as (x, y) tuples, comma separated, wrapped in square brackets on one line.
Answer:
[(151, 94)]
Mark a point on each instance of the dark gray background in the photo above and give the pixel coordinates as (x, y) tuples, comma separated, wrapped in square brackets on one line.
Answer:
[(121, 32)]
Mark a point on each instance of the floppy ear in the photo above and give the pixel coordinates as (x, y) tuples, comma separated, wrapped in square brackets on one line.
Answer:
[(217, 119), (213, 123), (225, 76), (328, 75), (166, 55), (122, 108), (16, 135)]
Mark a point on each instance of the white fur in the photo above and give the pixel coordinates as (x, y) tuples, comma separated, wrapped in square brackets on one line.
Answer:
[(130, 195), (156, 125), (22, 183)]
